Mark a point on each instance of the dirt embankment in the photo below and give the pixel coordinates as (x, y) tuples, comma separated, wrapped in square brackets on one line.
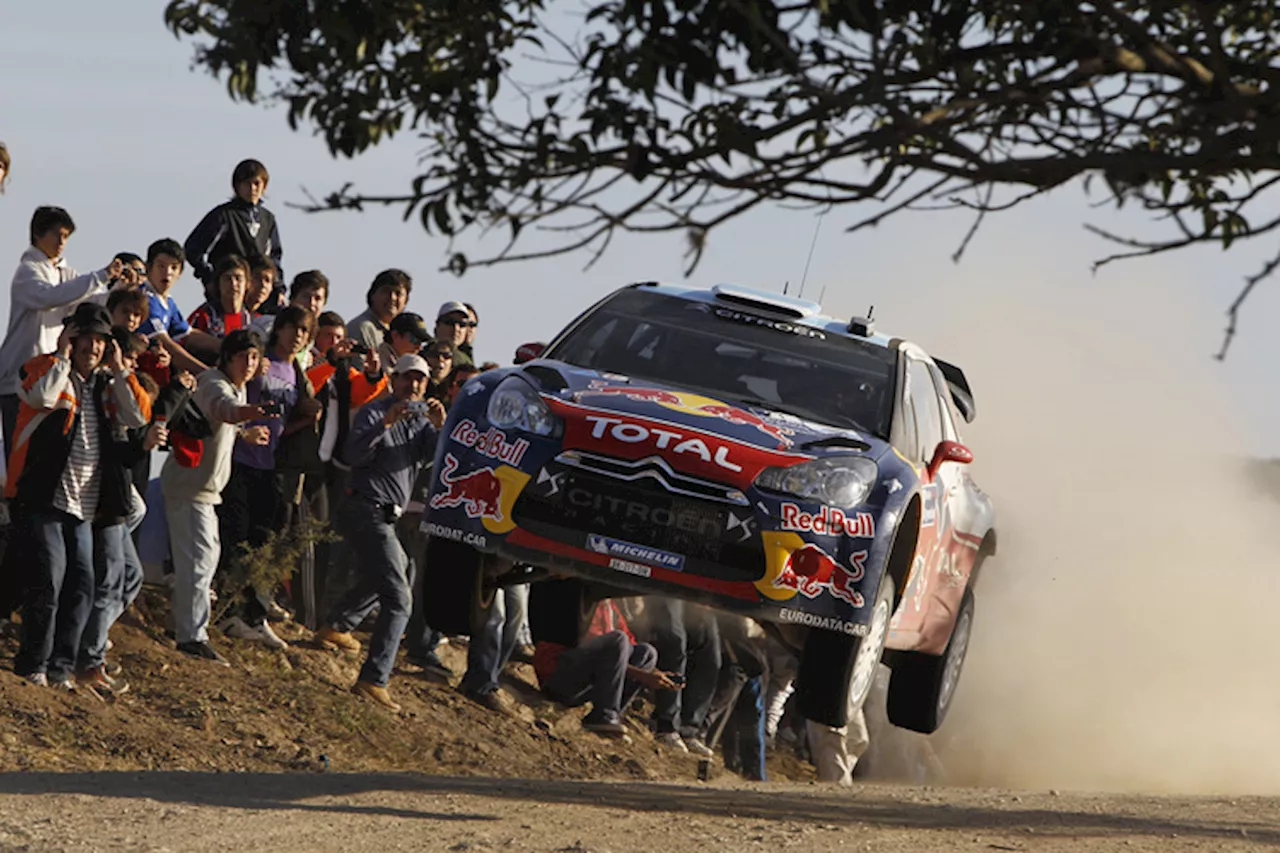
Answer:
[(293, 710)]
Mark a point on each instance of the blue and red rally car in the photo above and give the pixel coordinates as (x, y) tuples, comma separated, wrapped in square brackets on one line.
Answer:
[(735, 448)]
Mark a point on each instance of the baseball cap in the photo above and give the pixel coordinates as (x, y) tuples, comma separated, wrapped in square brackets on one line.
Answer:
[(411, 362), (408, 323), (452, 308)]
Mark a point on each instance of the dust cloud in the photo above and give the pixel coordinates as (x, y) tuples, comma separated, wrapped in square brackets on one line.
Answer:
[(1125, 635)]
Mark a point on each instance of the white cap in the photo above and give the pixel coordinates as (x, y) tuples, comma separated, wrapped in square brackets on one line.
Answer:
[(452, 308), (411, 362)]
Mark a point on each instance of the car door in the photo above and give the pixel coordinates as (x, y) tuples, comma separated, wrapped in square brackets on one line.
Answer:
[(921, 434)]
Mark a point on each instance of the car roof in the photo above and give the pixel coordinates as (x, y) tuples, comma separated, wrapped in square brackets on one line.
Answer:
[(788, 308)]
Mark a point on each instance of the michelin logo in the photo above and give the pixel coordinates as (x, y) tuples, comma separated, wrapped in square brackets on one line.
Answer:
[(637, 553), (826, 623)]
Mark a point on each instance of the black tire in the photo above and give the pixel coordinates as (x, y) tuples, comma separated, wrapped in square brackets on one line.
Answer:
[(454, 596), (560, 611), (922, 687), (825, 686)]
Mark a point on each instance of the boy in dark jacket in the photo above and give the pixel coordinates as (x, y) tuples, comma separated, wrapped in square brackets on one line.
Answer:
[(241, 226)]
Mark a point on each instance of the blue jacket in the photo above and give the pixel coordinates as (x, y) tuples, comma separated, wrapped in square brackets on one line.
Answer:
[(385, 461)]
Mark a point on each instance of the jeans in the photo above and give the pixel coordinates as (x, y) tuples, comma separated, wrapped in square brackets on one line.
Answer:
[(108, 593), (421, 640), (60, 596), (381, 579), (688, 643), (491, 646), (596, 671), (193, 540)]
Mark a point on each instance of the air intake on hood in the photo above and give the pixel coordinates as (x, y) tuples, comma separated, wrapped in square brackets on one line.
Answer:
[(761, 300)]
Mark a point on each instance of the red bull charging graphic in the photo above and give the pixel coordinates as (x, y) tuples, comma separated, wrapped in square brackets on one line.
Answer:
[(478, 492)]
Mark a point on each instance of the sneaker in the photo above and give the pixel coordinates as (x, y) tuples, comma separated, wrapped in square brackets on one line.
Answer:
[(204, 651), (276, 613), (698, 747), (377, 694), (671, 739), (63, 682), (242, 630), (491, 699), (39, 679), (432, 665), (100, 682), (333, 640), (606, 724)]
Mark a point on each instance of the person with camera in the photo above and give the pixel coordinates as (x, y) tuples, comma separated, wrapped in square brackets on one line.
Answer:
[(192, 486), (71, 406), (253, 499), (391, 439)]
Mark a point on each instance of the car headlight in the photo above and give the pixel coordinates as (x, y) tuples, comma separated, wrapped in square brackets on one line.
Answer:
[(843, 481), (515, 405)]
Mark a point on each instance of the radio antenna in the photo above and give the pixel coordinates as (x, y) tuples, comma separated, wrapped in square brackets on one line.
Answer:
[(813, 244)]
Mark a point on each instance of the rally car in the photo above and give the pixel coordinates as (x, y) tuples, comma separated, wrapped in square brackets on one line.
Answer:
[(731, 447)]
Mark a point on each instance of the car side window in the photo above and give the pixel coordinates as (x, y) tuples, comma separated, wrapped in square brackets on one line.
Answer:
[(924, 400)]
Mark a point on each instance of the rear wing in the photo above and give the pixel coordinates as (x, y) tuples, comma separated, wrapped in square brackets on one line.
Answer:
[(961, 394)]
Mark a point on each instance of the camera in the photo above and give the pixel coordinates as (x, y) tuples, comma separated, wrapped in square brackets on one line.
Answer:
[(358, 348), (272, 407), (417, 407)]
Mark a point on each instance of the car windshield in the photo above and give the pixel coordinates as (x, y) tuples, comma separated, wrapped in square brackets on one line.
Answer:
[(733, 354)]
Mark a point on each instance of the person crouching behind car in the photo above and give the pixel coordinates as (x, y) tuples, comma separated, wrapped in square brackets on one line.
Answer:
[(607, 668), (389, 442)]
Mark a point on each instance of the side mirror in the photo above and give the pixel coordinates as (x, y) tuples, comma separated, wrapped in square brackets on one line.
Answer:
[(949, 451), (528, 352)]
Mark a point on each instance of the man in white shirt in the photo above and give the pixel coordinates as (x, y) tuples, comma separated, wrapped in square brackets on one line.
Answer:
[(45, 290)]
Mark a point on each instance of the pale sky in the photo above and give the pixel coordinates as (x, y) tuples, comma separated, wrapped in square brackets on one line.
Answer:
[(104, 117)]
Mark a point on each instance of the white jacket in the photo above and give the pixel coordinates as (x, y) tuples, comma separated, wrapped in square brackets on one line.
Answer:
[(43, 292)]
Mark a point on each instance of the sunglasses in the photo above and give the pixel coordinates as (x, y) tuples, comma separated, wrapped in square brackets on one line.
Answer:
[(466, 324), (439, 354)]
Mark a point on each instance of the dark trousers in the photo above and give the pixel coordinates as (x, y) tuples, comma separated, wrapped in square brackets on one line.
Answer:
[(250, 510), (60, 596), (688, 643), (381, 567), (596, 672), (8, 420), (307, 584), (333, 559), (15, 564)]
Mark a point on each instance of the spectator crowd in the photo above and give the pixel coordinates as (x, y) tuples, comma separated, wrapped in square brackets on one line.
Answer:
[(269, 413)]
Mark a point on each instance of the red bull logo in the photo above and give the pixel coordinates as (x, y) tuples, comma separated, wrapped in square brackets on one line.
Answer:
[(808, 571), (695, 404), (844, 580), (479, 492)]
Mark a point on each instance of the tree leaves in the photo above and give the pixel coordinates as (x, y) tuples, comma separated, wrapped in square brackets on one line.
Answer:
[(678, 115)]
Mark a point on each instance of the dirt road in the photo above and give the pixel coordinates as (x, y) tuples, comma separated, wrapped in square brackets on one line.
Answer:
[(378, 812)]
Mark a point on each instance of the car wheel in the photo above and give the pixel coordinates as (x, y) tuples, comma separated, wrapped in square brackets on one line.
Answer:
[(560, 611), (923, 686), (836, 670), (454, 595)]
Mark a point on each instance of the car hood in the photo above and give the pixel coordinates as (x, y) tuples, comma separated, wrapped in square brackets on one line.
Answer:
[(753, 425)]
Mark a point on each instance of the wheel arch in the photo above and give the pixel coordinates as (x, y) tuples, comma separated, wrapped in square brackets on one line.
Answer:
[(903, 550)]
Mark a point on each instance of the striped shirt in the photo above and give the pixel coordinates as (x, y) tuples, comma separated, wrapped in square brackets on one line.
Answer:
[(77, 492)]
